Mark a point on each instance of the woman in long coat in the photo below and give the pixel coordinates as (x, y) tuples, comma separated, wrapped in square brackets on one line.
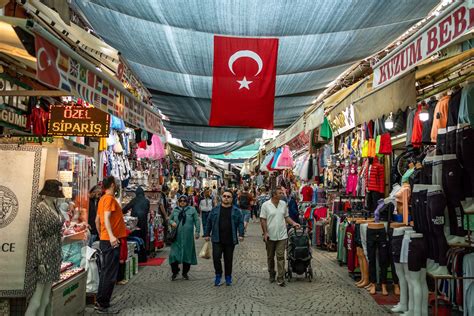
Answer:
[(183, 250)]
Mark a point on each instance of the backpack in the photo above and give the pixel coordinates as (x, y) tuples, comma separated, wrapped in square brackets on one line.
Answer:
[(244, 202)]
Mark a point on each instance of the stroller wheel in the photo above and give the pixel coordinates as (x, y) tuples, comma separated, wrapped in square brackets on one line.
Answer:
[(310, 274), (289, 275)]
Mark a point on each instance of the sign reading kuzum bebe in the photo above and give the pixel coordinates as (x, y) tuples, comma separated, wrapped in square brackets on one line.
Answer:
[(450, 25), (78, 121)]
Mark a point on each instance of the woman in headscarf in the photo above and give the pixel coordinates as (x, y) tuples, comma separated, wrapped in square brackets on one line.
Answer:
[(183, 250), (140, 207)]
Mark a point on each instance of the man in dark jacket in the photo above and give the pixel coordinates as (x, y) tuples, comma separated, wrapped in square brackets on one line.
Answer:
[(223, 224), (140, 207)]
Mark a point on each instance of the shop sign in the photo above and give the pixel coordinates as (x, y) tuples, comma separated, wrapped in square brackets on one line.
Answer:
[(17, 209), (12, 117), (443, 30), (343, 121), (60, 71), (9, 84), (77, 121), (35, 140)]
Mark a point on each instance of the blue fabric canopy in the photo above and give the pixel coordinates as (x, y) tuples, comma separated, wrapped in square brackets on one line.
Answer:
[(169, 45)]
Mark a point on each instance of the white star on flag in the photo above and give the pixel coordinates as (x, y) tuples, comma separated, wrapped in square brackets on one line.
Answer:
[(244, 83)]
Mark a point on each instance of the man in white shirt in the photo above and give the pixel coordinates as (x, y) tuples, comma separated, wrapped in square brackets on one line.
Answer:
[(273, 219)]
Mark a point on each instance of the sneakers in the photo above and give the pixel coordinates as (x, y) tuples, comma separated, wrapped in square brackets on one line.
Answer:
[(228, 280), (217, 280), (104, 310), (174, 276), (282, 284), (185, 276)]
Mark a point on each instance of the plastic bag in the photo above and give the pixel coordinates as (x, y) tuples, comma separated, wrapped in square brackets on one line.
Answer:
[(205, 252)]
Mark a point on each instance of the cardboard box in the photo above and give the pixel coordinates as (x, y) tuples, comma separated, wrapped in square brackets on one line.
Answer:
[(69, 297)]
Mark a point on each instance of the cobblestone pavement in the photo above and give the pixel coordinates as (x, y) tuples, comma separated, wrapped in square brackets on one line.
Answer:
[(151, 291)]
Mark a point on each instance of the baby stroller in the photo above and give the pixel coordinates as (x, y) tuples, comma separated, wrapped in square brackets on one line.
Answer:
[(299, 253)]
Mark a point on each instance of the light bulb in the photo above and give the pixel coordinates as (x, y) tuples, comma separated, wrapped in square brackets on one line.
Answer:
[(388, 124), (424, 115)]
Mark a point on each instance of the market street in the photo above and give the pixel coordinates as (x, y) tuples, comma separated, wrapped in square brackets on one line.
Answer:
[(332, 292)]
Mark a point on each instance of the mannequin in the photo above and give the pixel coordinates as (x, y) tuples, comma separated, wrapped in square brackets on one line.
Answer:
[(377, 239), (416, 276), (364, 265), (47, 246), (396, 286), (397, 239)]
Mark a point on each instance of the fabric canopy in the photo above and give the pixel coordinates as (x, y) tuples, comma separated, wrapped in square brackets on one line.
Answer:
[(215, 150), (243, 153), (169, 45)]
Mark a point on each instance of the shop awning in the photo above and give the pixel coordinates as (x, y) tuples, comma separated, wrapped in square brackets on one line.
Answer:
[(171, 49), (434, 69), (355, 92), (390, 98), (185, 153), (291, 132), (11, 45)]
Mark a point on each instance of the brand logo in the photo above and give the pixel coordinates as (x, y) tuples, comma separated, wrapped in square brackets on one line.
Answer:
[(438, 220), (8, 206)]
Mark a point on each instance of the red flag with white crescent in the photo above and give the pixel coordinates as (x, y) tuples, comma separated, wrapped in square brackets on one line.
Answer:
[(48, 61), (243, 82)]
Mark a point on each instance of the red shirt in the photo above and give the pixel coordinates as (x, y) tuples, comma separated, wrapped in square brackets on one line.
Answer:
[(307, 193), (417, 133)]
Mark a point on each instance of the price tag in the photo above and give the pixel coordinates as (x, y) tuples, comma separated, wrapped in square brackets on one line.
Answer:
[(65, 176)]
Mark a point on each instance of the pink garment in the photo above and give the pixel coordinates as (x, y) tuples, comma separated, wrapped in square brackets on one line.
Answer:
[(351, 187), (156, 150), (286, 158)]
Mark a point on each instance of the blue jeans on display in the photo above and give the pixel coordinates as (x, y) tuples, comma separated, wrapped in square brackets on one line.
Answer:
[(204, 216)]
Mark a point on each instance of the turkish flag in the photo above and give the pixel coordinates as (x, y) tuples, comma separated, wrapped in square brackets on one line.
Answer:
[(47, 70), (243, 82)]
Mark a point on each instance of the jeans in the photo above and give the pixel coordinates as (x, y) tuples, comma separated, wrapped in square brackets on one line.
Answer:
[(391, 258), (204, 216), (175, 268), (246, 216), (276, 247), (377, 240), (219, 249), (110, 260)]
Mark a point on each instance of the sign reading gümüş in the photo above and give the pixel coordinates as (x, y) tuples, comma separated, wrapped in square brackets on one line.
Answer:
[(78, 121)]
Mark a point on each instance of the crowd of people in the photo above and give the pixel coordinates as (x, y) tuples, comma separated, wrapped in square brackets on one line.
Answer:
[(219, 215)]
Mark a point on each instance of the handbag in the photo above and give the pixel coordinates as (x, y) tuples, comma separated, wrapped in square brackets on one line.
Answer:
[(205, 252), (173, 234)]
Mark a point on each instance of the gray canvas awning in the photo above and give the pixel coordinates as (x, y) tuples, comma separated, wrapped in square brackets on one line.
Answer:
[(169, 45)]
